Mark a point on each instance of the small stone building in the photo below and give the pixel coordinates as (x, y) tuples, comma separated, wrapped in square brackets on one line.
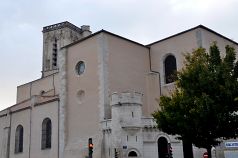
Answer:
[(102, 87)]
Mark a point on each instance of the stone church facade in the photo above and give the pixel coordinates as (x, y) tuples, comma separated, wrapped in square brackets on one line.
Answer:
[(102, 87)]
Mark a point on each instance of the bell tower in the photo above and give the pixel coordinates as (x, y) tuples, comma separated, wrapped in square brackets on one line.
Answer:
[(56, 36)]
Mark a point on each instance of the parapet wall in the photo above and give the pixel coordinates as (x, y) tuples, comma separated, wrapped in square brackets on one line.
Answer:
[(126, 98), (60, 26), (126, 112)]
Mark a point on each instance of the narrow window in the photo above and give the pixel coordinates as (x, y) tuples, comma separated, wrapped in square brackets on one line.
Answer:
[(54, 54), (46, 134), (19, 139), (170, 69)]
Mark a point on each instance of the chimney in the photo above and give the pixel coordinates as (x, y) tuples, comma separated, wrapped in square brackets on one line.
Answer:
[(86, 30)]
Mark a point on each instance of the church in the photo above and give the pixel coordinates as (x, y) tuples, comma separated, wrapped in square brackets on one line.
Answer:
[(96, 96)]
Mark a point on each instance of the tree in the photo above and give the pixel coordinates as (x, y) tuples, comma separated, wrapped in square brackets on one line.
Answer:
[(202, 109)]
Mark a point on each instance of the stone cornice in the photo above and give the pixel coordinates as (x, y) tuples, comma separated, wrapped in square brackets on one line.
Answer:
[(60, 26)]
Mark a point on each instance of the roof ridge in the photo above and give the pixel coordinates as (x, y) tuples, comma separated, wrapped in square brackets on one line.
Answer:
[(193, 28)]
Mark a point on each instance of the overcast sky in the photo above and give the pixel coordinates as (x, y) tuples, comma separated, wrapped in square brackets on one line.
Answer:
[(144, 21)]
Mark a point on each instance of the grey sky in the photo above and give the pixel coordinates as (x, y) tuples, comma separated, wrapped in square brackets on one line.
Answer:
[(144, 21)]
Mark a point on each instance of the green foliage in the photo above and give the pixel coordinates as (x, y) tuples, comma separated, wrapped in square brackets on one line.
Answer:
[(202, 107)]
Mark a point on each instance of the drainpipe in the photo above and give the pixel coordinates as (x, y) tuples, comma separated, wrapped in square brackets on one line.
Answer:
[(32, 104), (155, 72), (54, 83), (30, 130), (9, 135), (58, 127)]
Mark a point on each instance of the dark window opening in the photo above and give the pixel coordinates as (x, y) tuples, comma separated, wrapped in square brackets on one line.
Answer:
[(46, 134), (170, 67), (132, 154), (54, 54), (19, 139), (163, 147)]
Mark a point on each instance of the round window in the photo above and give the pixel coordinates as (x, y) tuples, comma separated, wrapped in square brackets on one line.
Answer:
[(80, 67)]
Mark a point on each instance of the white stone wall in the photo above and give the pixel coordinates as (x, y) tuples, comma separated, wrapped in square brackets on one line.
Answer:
[(150, 150), (126, 123)]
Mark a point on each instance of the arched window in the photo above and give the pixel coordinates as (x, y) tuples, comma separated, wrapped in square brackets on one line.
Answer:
[(46, 134), (170, 68), (163, 147), (132, 154), (19, 139)]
